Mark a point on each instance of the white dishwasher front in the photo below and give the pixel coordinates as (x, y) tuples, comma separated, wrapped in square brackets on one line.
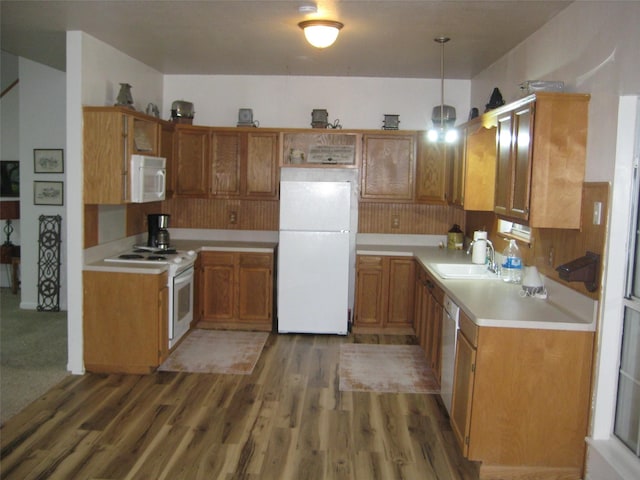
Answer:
[(450, 315)]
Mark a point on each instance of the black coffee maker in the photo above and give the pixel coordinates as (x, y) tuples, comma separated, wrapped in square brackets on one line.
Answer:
[(158, 233)]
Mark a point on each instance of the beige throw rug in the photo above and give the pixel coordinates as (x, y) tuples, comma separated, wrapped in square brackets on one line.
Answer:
[(385, 368), (216, 351)]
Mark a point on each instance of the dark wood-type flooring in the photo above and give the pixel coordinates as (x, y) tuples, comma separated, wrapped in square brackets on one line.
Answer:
[(287, 420)]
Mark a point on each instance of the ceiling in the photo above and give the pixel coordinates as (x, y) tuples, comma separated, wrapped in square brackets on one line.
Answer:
[(388, 38)]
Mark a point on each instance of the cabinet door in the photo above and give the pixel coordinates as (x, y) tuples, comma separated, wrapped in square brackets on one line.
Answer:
[(255, 288), (401, 292), (369, 291), (504, 173), (431, 171), (522, 132), (166, 151), (435, 314), (463, 383), (139, 318), (388, 167), (192, 159), (260, 166), (218, 286), (105, 157), (225, 163), (480, 169), (456, 167)]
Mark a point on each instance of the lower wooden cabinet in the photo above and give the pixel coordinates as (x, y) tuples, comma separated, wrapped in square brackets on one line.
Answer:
[(235, 290), (521, 400), (125, 321), (428, 312), (384, 293)]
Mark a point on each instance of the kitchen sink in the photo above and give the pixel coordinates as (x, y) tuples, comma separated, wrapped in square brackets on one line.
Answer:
[(463, 271)]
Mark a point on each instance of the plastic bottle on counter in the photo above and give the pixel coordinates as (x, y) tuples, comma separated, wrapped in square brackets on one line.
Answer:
[(512, 263), (455, 238)]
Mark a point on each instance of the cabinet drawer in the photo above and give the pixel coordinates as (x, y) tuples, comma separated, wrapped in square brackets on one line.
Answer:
[(468, 329), (255, 260), (218, 258), (369, 261)]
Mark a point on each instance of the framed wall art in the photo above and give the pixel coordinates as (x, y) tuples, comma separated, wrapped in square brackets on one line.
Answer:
[(9, 178), (48, 160), (48, 193)]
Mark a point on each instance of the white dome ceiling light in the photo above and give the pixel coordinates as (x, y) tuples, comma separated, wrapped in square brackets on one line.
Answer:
[(321, 33)]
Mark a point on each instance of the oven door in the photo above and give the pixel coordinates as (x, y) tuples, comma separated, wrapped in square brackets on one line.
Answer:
[(181, 291)]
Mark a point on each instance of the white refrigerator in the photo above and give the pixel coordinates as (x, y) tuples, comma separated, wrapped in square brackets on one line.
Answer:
[(313, 257)]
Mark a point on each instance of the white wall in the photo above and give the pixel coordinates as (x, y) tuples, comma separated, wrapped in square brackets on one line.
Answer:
[(42, 114), (94, 72), (287, 102), (9, 140), (593, 47)]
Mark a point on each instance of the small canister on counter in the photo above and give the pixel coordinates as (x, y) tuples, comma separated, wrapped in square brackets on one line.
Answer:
[(455, 238)]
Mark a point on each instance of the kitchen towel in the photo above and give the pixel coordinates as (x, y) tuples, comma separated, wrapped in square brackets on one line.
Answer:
[(385, 368), (216, 351)]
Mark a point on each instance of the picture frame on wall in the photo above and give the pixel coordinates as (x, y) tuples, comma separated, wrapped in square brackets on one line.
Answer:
[(9, 178), (48, 193), (48, 160)]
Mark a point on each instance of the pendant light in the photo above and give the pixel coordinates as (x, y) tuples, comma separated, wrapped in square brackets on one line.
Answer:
[(321, 33), (443, 116)]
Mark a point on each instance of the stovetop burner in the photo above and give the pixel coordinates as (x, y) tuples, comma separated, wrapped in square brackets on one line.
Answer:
[(156, 257), (161, 251), (131, 256)]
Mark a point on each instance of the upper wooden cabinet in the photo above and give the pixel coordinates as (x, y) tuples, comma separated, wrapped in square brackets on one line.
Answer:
[(320, 148), (388, 166), (541, 153), (228, 163), (110, 136), (167, 148), (192, 161), (431, 170), (473, 168), (260, 165)]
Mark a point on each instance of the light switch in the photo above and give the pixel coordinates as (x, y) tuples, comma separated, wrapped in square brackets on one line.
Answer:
[(597, 213)]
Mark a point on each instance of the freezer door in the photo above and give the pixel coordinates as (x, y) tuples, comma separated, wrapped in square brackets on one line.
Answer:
[(313, 282), (315, 206)]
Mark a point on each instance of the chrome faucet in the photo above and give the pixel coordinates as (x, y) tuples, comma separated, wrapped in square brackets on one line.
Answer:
[(490, 255)]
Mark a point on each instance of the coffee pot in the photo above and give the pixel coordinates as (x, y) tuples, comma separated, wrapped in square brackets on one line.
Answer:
[(158, 224)]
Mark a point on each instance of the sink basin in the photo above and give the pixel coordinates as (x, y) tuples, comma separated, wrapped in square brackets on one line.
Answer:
[(464, 271)]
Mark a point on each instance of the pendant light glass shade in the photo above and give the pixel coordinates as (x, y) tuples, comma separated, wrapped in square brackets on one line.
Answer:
[(443, 116), (321, 33)]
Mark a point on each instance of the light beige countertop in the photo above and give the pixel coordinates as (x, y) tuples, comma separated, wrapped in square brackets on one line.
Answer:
[(494, 303), (195, 245)]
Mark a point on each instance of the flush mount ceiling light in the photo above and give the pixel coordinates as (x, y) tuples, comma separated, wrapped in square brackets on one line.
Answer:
[(443, 116), (321, 33)]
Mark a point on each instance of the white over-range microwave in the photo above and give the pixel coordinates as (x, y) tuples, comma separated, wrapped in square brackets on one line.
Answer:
[(148, 178)]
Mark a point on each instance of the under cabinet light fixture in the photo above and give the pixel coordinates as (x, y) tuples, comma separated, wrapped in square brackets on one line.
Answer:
[(321, 33)]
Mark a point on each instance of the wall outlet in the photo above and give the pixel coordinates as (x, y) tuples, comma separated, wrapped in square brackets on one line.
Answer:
[(233, 217), (395, 221)]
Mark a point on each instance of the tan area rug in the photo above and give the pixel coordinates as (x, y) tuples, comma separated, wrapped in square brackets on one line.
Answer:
[(385, 368), (216, 351)]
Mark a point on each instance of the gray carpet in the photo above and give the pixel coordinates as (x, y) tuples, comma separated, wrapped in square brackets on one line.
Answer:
[(33, 353)]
